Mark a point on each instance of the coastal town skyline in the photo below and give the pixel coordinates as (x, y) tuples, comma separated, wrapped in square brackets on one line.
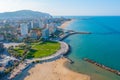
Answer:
[(38, 28), (64, 8), (59, 40)]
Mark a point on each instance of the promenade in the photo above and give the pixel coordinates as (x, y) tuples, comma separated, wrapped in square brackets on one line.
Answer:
[(64, 48), (69, 32)]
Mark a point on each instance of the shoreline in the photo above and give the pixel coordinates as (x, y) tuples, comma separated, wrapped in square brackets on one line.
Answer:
[(64, 48), (117, 72), (55, 71), (66, 23)]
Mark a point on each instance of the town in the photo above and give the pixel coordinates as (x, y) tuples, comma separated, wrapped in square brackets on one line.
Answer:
[(17, 35)]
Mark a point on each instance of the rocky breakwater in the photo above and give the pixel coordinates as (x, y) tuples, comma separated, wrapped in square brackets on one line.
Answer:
[(102, 66)]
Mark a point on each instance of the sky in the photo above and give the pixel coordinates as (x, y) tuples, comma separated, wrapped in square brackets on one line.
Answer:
[(64, 7)]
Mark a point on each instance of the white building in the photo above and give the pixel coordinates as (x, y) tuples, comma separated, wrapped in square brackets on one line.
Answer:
[(45, 33), (41, 24), (20, 38), (24, 29), (1, 47), (5, 60), (33, 34), (31, 24), (1, 37), (52, 28)]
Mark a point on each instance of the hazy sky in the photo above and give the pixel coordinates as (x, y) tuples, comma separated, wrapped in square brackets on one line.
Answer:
[(64, 7)]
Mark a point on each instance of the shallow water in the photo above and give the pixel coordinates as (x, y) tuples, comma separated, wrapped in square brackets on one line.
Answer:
[(103, 46)]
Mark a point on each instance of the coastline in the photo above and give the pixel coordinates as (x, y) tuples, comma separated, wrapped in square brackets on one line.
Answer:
[(64, 48), (55, 71), (95, 72), (66, 23)]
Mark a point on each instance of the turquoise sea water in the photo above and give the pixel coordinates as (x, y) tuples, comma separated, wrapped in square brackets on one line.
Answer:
[(102, 46)]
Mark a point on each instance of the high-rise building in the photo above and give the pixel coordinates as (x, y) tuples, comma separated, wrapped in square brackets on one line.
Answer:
[(31, 24), (24, 29), (33, 34), (40, 23), (52, 28), (1, 37), (1, 47), (45, 32)]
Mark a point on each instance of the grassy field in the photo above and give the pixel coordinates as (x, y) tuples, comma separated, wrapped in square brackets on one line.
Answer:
[(39, 50), (19, 51)]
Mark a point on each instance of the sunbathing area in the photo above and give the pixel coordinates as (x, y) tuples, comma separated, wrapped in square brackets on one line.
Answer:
[(55, 70)]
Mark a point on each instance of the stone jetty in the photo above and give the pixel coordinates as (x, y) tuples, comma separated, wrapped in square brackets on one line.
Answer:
[(102, 66)]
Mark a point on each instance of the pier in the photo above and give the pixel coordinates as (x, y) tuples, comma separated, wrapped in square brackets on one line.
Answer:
[(71, 32), (102, 66), (69, 60)]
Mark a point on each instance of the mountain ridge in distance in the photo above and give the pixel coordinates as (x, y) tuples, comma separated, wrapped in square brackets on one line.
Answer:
[(21, 14)]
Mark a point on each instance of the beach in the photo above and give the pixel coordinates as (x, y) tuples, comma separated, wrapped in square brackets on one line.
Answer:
[(54, 71), (66, 23)]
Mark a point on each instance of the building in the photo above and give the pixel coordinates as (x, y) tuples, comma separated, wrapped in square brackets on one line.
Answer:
[(52, 28), (1, 69), (6, 62), (1, 47), (33, 34), (1, 37), (18, 30), (24, 29), (31, 24), (19, 37), (40, 23), (45, 33)]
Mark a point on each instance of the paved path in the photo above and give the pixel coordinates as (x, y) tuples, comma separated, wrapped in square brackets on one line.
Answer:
[(63, 50)]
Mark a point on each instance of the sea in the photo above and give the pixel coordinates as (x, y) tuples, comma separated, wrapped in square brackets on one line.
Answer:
[(102, 46)]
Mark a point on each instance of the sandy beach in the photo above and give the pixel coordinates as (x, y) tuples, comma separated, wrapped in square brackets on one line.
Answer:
[(54, 71), (66, 23)]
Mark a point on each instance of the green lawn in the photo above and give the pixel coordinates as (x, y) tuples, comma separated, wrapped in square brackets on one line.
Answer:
[(19, 51), (39, 50)]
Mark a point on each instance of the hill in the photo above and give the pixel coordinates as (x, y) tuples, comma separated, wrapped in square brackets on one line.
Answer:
[(23, 14)]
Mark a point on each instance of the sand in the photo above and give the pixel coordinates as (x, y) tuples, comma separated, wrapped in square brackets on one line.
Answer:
[(54, 71), (66, 23)]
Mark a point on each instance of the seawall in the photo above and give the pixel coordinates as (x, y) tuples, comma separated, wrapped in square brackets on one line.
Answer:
[(102, 66)]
